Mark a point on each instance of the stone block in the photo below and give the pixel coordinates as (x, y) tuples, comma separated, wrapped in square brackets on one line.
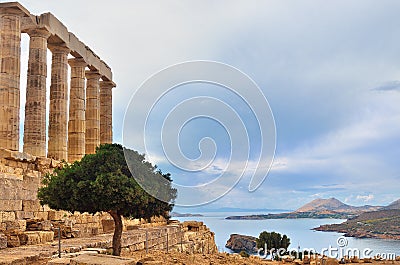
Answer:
[(14, 226), (107, 225), (45, 225), (29, 194), (43, 161), (55, 215), (41, 215), (10, 205), (46, 236), (19, 156), (23, 238), (7, 216), (3, 241), (31, 205), (13, 241), (10, 187), (30, 182), (32, 238), (21, 215)]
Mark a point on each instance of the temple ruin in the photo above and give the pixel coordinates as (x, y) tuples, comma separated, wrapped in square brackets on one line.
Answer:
[(80, 116)]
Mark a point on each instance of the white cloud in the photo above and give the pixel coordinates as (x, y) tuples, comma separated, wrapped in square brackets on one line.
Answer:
[(365, 198)]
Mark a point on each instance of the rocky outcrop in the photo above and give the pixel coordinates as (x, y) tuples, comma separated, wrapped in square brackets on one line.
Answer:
[(238, 243), (384, 224)]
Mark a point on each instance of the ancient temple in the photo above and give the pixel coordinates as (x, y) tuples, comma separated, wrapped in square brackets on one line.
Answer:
[(80, 114)]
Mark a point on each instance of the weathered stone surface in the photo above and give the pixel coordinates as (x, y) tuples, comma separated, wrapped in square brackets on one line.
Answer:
[(20, 215), (10, 47), (35, 107), (32, 238), (55, 215), (15, 226), (41, 215), (3, 241), (46, 236), (106, 111), (13, 241), (7, 216), (77, 123), (100, 259), (57, 145), (10, 205), (10, 187), (92, 114), (31, 205), (20, 156), (108, 225)]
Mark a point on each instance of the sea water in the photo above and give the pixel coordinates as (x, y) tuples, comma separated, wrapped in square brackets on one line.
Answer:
[(298, 230)]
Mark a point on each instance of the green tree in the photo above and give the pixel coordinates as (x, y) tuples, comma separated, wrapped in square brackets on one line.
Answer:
[(103, 182), (272, 240)]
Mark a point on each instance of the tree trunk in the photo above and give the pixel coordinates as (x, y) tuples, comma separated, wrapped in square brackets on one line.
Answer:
[(116, 244)]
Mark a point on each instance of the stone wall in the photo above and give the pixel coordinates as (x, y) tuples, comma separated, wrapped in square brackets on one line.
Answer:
[(23, 221)]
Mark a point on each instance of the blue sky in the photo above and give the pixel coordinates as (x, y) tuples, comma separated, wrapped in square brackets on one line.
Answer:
[(330, 72)]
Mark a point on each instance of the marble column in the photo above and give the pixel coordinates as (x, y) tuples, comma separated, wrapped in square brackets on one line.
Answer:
[(35, 107), (10, 53), (106, 135), (76, 123), (92, 137), (57, 146)]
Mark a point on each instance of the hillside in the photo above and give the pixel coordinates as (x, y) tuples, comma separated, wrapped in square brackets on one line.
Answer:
[(316, 209), (334, 205), (377, 224), (393, 206)]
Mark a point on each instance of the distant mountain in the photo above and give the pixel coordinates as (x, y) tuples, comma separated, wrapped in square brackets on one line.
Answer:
[(331, 204), (393, 206), (334, 205), (316, 209)]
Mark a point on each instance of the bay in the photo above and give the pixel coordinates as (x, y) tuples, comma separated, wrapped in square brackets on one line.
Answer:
[(298, 230)]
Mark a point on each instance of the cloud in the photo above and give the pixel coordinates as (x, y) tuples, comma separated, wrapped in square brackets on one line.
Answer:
[(365, 198), (388, 86)]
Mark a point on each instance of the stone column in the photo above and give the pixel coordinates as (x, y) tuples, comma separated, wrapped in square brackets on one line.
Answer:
[(92, 137), (10, 53), (58, 103), (106, 134), (35, 107), (76, 123)]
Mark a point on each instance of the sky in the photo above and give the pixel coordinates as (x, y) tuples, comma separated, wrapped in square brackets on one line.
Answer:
[(329, 70)]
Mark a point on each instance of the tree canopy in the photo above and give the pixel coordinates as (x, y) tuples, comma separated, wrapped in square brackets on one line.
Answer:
[(104, 182), (272, 240)]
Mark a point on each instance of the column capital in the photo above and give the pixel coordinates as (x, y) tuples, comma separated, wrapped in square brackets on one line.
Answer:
[(107, 84), (92, 74), (38, 32), (77, 62), (58, 48)]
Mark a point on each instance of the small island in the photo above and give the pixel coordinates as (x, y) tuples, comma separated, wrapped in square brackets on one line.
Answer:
[(175, 214)]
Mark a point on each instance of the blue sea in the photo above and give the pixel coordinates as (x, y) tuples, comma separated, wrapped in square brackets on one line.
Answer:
[(298, 230)]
